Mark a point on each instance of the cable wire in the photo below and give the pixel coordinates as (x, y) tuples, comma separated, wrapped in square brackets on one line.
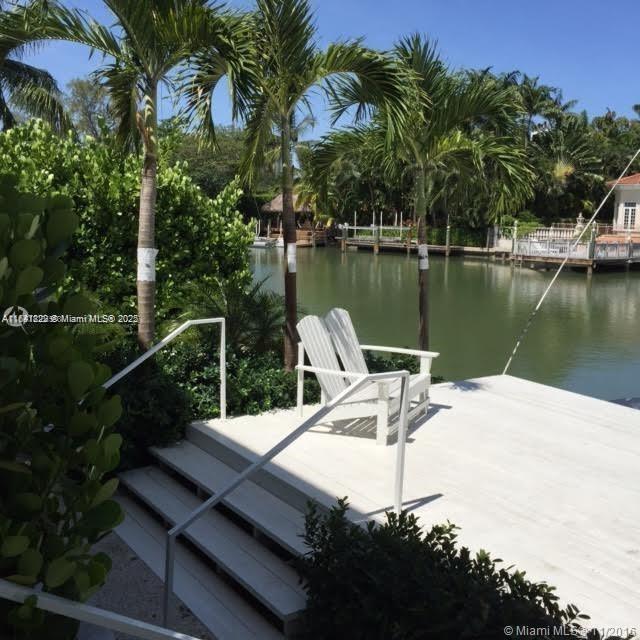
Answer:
[(533, 314)]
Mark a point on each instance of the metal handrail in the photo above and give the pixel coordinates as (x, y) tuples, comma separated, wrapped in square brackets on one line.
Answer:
[(167, 339), (89, 614), (178, 528)]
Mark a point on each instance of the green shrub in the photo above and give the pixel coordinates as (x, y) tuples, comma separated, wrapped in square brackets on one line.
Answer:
[(255, 382), (199, 239), (394, 582), (395, 362), (57, 440), (156, 408)]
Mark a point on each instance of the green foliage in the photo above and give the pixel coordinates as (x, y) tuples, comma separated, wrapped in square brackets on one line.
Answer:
[(254, 316), (156, 410), (396, 582), (255, 382), (57, 445), (87, 102), (200, 239)]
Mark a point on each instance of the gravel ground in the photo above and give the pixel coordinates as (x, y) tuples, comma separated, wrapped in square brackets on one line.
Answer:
[(132, 589)]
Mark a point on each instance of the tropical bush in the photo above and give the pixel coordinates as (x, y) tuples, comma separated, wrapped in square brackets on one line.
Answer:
[(199, 239), (255, 382), (57, 440), (394, 581), (254, 316)]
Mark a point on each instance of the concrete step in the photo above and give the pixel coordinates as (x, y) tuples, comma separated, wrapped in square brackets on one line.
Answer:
[(266, 577), (265, 512), (223, 611)]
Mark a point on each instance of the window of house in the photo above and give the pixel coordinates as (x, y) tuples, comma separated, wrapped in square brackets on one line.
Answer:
[(629, 215)]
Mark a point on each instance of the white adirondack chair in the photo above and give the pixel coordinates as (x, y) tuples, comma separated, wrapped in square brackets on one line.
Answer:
[(323, 341)]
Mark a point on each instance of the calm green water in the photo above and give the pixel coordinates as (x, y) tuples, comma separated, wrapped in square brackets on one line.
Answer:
[(586, 338)]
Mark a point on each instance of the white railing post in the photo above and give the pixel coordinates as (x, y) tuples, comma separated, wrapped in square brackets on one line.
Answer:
[(403, 426), (169, 563), (223, 369), (300, 389)]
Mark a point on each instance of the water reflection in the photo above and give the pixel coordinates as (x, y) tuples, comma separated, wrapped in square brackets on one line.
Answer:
[(585, 337)]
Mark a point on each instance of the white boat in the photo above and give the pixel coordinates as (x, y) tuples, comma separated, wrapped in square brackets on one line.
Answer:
[(263, 243)]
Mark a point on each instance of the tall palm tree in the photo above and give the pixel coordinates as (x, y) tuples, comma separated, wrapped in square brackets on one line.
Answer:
[(23, 87), (445, 141), (288, 67), (147, 47)]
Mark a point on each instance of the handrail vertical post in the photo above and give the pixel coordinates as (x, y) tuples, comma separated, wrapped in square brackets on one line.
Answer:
[(300, 383), (402, 438), (223, 370), (168, 578)]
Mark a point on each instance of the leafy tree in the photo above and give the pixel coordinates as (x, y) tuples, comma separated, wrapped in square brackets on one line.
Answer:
[(567, 166), (25, 89), (205, 239), (88, 105), (288, 65), (151, 40)]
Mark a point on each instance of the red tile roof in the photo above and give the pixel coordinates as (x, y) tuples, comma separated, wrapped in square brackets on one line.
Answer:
[(634, 178)]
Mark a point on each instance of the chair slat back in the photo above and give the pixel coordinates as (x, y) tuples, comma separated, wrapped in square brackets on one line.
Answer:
[(345, 340), (319, 347)]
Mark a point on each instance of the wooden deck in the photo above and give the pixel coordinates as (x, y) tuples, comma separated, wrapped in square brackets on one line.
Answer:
[(545, 479)]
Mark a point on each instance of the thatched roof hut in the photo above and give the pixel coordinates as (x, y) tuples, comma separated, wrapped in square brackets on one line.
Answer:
[(275, 206)]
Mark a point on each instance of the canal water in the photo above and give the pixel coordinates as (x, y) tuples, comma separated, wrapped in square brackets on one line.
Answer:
[(586, 337)]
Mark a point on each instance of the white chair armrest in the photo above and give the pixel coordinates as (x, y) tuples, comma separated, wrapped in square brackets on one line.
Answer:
[(331, 372), (408, 352)]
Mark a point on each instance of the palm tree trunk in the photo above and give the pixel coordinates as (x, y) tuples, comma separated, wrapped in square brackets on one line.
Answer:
[(289, 232), (423, 260), (146, 282)]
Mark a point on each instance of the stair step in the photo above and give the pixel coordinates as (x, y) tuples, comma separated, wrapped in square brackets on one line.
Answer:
[(225, 613), (274, 480), (268, 578), (271, 516)]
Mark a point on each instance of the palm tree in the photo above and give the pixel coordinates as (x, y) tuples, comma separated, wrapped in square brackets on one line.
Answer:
[(537, 100), (446, 141), (30, 90), (150, 43), (288, 66)]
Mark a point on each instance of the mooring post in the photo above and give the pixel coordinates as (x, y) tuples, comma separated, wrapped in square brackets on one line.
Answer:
[(592, 243), (313, 238), (447, 250), (592, 251), (345, 232), (409, 241), (376, 240)]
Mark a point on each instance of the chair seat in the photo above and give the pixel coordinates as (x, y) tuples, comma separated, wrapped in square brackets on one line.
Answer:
[(418, 383)]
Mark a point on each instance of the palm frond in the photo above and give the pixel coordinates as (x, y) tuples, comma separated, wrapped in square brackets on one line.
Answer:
[(123, 81), (34, 92), (259, 128)]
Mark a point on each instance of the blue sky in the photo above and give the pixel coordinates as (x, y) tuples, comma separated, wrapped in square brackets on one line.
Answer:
[(587, 48)]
